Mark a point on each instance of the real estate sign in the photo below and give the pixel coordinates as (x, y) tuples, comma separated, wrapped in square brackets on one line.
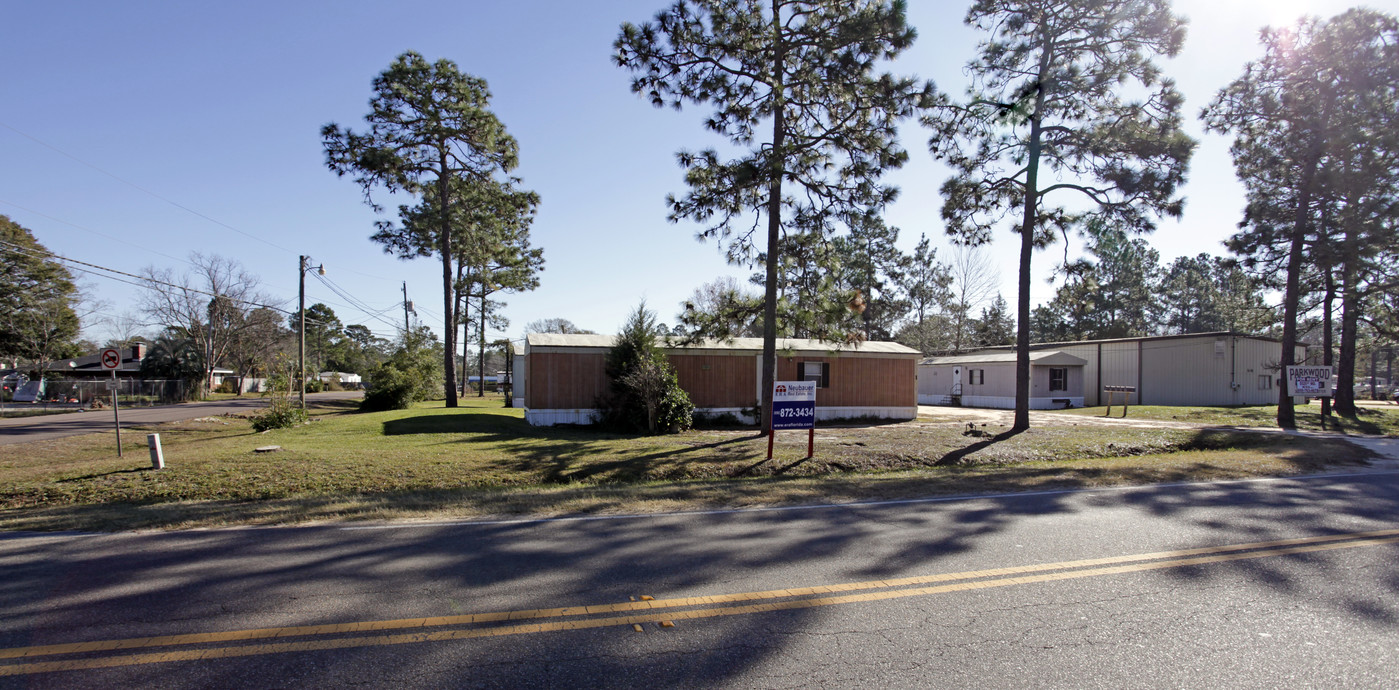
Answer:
[(1314, 381), (794, 405)]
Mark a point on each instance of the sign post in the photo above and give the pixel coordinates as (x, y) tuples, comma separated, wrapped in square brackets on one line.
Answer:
[(111, 359), (794, 407), (1311, 381)]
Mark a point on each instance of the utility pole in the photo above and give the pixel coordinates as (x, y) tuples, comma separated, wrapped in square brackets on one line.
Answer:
[(407, 306), (301, 331)]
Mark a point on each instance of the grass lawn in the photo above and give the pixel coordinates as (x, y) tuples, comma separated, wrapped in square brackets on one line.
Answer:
[(433, 463), (1371, 420)]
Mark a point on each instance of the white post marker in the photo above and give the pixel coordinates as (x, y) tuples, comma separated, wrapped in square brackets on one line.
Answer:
[(157, 456), (794, 407), (111, 359)]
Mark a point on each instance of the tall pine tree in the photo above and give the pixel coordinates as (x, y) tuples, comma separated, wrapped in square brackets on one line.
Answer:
[(429, 124), (794, 84), (1052, 114)]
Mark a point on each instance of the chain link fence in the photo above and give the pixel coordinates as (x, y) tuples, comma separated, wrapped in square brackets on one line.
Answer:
[(72, 394)]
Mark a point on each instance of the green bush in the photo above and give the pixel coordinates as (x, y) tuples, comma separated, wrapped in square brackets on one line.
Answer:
[(282, 413), (314, 386), (389, 389), (412, 373), (645, 394), (227, 386)]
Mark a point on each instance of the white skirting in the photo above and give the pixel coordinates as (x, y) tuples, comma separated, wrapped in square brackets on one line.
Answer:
[(839, 413), (929, 399), (1008, 403), (826, 414), (552, 417)]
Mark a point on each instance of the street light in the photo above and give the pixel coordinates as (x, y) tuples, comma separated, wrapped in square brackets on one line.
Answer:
[(301, 332)]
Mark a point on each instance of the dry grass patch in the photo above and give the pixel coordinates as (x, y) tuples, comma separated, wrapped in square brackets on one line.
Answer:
[(434, 463)]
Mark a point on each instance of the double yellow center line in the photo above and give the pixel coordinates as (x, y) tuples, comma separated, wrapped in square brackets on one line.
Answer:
[(100, 654)]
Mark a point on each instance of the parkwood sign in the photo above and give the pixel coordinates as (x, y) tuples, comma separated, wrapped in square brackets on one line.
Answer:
[(1312, 381)]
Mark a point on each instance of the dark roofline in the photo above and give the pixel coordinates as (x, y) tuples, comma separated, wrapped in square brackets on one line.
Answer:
[(1143, 338)]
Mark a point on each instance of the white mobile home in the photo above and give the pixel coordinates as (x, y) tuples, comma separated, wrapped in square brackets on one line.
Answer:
[(987, 379), (1195, 369)]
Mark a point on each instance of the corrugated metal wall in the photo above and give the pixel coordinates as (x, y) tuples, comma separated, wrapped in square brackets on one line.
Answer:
[(860, 381), (573, 380), (1183, 371), (718, 380), (565, 381)]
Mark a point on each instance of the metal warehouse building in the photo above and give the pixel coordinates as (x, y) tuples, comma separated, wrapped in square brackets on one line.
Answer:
[(558, 377), (1195, 369)]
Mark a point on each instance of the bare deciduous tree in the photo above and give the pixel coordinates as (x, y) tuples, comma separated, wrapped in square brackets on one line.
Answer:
[(210, 304)]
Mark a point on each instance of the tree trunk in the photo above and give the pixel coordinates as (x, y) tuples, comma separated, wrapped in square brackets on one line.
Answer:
[(1287, 416), (1027, 246), (776, 166), (1326, 336), (481, 355), (449, 348), (1350, 321), (459, 317)]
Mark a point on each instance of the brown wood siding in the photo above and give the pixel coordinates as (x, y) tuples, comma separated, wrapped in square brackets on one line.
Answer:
[(860, 381), (565, 381), (717, 380)]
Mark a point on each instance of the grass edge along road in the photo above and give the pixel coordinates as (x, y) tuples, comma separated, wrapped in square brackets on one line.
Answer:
[(646, 609), (483, 460)]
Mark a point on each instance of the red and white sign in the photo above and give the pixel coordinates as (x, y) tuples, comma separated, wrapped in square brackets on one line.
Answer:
[(111, 358)]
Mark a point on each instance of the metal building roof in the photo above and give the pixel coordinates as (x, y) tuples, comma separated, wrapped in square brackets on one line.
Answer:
[(1041, 357), (749, 344)]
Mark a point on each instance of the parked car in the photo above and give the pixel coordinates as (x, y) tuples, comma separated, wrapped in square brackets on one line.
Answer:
[(1362, 387)]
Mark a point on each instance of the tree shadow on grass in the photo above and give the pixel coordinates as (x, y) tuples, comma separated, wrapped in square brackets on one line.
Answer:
[(956, 456), (99, 475), (503, 425)]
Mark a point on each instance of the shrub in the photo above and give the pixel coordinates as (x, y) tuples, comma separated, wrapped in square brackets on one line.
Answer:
[(282, 413), (314, 386), (227, 386), (645, 394), (411, 373)]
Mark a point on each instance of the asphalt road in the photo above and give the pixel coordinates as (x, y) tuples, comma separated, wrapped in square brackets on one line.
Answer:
[(49, 427), (1267, 583)]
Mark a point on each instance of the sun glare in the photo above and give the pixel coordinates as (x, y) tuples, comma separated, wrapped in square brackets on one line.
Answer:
[(1286, 12)]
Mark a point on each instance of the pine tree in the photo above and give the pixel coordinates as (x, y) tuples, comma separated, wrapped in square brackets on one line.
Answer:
[(1049, 114), (1314, 144), (429, 125), (927, 283), (793, 83)]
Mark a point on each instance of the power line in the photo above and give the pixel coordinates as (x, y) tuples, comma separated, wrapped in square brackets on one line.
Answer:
[(95, 232), (176, 204), (139, 187), (344, 294), (145, 281)]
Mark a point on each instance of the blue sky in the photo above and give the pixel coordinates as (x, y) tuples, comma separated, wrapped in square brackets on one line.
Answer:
[(132, 134)]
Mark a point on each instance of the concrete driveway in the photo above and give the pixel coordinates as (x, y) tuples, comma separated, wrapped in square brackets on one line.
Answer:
[(1387, 447), (940, 413)]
